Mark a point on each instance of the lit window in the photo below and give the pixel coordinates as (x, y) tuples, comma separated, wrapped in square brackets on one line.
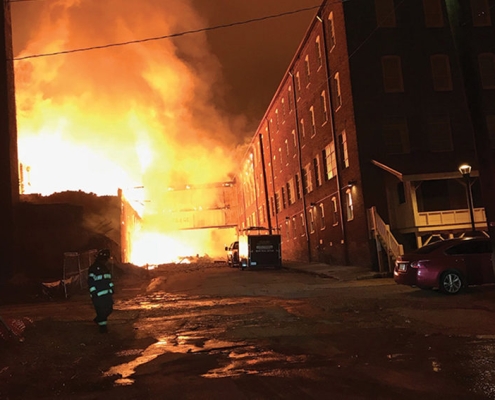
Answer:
[(440, 71), (318, 52), (287, 149), (322, 216), (307, 179), (308, 68), (433, 13), (349, 205), (294, 226), (336, 93), (385, 13), (335, 211), (330, 161), (311, 220), (331, 31), (324, 110), (486, 63), (298, 83), (289, 99), (313, 122), (303, 224), (277, 123), (290, 191), (343, 153), (287, 229), (316, 165), (301, 126), (392, 74), (298, 186), (294, 138)]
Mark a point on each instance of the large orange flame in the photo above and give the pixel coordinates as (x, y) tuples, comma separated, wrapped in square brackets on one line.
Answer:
[(139, 115)]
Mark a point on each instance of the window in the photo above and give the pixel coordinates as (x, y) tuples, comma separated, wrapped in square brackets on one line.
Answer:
[(290, 192), (343, 153), (385, 13), (318, 52), (490, 125), (272, 203), (287, 229), (349, 205), (322, 217), (337, 96), (277, 203), (280, 157), (301, 128), (277, 122), (313, 122), (298, 186), (439, 134), (331, 31), (316, 165), (287, 151), (330, 161), (440, 72), (396, 136), (283, 109), (308, 69), (392, 74), (307, 179), (294, 227), (284, 199), (324, 109), (298, 83), (335, 211), (294, 138), (433, 13), (487, 70), (303, 224), (289, 99), (311, 220), (480, 12)]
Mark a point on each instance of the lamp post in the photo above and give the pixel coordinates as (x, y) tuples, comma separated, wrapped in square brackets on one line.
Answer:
[(465, 170)]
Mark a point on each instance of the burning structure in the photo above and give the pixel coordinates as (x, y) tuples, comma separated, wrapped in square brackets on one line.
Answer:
[(134, 120)]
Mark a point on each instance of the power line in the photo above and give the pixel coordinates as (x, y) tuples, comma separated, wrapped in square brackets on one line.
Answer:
[(173, 35)]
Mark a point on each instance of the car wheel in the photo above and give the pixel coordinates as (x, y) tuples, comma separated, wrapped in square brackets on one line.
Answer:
[(451, 282)]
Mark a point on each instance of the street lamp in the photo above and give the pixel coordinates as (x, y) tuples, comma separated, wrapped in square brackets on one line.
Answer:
[(465, 170)]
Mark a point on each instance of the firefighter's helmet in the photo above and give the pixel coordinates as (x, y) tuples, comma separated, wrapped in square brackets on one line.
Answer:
[(105, 253)]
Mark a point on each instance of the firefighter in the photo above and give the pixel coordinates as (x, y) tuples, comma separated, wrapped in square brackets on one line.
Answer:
[(101, 289)]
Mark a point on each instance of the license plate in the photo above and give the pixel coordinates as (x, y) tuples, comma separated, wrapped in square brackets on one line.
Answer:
[(402, 267)]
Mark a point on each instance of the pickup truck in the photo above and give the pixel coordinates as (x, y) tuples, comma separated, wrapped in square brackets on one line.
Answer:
[(233, 254)]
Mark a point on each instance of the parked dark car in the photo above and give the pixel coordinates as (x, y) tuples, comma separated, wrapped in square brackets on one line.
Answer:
[(447, 265), (233, 254)]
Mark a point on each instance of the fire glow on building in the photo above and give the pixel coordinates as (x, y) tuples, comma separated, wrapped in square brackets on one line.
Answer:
[(135, 117)]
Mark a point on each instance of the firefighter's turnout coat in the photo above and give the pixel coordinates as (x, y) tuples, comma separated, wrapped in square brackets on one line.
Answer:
[(101, 290)]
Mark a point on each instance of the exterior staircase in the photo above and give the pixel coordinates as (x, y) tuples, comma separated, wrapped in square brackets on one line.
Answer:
[(386, 244)]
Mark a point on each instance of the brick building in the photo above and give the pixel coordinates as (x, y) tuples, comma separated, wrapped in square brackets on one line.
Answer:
[(357, 155)]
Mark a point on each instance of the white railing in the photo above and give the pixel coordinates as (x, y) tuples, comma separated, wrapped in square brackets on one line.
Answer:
[(381, 230), (451, 217)]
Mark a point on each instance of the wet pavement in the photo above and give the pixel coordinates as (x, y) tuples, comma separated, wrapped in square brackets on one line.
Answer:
[(212, 332)]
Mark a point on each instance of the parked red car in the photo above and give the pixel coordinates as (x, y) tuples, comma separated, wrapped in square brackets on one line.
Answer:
[(448, 265)]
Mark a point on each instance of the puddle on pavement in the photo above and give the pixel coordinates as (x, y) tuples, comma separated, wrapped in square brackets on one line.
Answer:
[(241, 358)]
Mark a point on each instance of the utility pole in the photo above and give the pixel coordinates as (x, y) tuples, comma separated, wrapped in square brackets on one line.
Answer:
[(468, 60), (9, 172)]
